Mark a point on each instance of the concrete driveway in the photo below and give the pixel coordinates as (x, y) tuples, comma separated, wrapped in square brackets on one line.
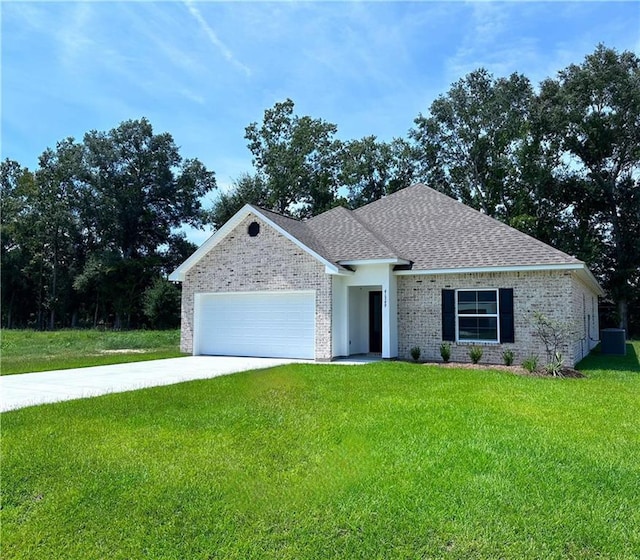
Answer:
[(26, 389)]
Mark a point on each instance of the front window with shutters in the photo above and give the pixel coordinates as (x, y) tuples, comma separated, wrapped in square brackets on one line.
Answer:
[(477, 316)]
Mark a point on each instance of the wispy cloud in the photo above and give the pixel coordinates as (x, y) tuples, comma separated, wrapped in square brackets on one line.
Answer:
[(211, 34), (192, 96), (536, 39), (72, 35)]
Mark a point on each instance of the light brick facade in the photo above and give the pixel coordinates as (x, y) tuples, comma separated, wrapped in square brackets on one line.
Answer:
[(270, 261), (556, 294), (585, 319), (267, 262)]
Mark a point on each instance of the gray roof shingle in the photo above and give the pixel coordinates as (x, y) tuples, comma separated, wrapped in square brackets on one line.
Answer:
[(424, 226), (346, 238), (437, 232)]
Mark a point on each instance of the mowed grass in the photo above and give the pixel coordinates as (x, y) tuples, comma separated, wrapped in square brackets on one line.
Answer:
[(385, 460), (24, 351)]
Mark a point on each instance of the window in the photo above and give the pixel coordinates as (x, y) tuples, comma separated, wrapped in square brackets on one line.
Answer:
[(477, 315)]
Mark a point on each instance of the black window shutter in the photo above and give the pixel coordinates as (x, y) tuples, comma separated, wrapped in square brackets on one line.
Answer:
[(506, 315), (448, 315)]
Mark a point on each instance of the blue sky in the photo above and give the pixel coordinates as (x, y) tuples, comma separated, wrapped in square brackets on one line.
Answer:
[(204, 70)]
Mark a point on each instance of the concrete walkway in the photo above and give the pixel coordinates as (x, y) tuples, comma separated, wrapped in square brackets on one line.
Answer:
[(27, 389)]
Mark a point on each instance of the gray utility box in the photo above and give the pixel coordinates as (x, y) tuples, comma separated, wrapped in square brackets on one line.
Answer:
[(613, 342)]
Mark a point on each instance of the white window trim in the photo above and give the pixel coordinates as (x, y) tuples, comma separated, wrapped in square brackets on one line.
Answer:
[(496, 315)]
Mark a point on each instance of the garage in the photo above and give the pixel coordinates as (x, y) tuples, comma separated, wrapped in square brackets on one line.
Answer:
[(259, 324)]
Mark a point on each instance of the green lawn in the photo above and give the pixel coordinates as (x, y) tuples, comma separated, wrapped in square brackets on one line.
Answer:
[(25, 351), (385, 460)]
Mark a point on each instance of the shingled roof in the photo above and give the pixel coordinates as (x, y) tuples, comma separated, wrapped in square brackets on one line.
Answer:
[(420, 225), (437, 232), (417, 227), (347, 238)]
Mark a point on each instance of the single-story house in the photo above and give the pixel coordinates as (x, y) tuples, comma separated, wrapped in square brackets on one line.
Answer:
[(414, 268)]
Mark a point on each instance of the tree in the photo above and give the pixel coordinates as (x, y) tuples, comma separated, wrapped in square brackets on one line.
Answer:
[(474, 143), (296, 159), (54, 223), (371, 169), (162, 304), (142, 186), (16, 290), (555, 335), (142, 190), (248, 189), (86, 233), (593, 116)]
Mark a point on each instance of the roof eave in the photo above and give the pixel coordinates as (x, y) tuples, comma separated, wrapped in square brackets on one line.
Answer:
[(590, 280), (579, 267), (360, 262)]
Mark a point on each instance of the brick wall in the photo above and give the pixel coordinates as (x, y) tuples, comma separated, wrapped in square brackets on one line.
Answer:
[(420, 321), (267, 262), (585, 319)]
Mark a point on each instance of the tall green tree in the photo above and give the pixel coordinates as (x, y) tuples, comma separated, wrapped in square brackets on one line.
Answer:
[(296, 158), (474, 141), (142, 191), (248, 189), (592, 113), (16, 290), (98, 221), (41, 235), (143, 188), (371, 169)]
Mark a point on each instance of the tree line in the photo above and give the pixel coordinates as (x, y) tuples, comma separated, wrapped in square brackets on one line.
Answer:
[(89, 236)]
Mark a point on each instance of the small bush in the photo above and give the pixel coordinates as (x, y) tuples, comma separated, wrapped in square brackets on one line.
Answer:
[(507, 357), (161, 304), (475, 353), (445, 351), (554, 334), (415, 353), (530, 363), (555, 366)]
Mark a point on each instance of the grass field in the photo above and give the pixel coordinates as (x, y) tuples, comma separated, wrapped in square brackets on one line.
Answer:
[(26, 351), (385, 460)]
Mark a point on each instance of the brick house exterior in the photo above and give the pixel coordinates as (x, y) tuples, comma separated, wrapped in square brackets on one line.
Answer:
[(231, 266), (412, 269), (419, 303)]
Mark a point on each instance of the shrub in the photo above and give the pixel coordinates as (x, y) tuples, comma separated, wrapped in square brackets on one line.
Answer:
[(475, 353), (555, 366), (554, 334), (530, 363), (415, 353), (445, 351), (507, 357), (161, 304)]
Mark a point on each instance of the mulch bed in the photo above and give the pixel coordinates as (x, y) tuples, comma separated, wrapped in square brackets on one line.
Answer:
[(517, 370)]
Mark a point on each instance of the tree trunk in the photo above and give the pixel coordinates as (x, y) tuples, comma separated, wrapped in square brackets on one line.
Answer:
[(623, 315), (95, 314)]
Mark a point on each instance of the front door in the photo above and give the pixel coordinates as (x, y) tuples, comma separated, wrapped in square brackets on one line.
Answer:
[(375, 322)]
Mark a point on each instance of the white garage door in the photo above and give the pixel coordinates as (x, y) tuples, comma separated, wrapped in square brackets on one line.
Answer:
[(264, 324)]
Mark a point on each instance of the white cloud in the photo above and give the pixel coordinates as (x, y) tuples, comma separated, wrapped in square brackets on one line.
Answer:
[(213, 38), (72, 35)]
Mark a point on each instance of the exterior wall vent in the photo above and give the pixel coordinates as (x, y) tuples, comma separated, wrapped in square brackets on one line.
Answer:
[(253, 229)]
